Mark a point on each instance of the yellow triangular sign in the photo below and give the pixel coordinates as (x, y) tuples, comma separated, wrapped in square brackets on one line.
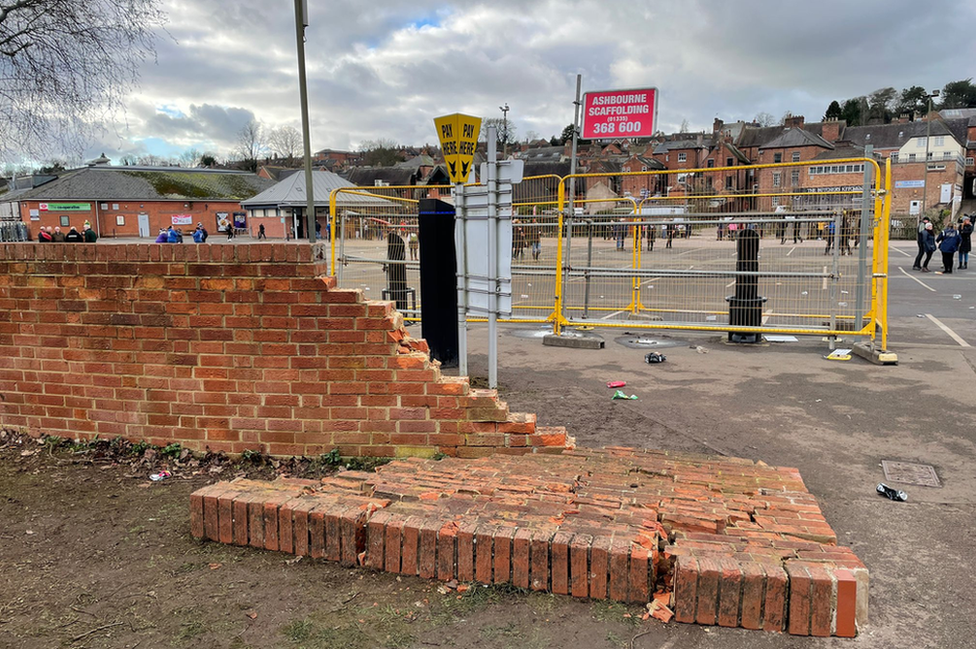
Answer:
[(458, 135)]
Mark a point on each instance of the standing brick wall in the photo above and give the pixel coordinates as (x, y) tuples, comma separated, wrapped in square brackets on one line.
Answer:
[(229, 347)]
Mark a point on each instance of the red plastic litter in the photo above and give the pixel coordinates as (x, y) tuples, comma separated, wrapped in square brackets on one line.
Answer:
[(616, 384)]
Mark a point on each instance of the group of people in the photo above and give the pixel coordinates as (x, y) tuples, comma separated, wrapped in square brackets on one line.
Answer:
[(175, 235), (949, 241), (526, 237), (55, 235)]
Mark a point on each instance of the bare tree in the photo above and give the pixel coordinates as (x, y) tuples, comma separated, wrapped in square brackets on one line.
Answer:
[(285, 142), (505, 130), (250, 144), (190, 157), (381, 153), (684, 126), (66, 67), (764, 119)]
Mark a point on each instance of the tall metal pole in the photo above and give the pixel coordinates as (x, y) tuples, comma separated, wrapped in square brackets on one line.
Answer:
[(301, 22), (928, 138), (504, 110), (492, 182), (571, 210)]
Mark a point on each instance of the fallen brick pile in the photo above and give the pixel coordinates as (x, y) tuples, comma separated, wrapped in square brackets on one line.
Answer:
[(737, 543)]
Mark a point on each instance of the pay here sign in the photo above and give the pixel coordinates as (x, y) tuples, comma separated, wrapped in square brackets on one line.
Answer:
[(619, 113)]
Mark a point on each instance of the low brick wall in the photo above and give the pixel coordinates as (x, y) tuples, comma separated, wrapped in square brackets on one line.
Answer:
[(229, 348)]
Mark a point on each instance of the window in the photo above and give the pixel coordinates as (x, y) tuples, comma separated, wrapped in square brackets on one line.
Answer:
[(837, 169), (643, 167), (775, 200), (911, 157), (776, 179), (939, 140), (920, 143), (969, 162), (894, 157), (65, 221), (947, 155), (728, 182), (928, 156), (682, 157), (795, 177), (710, 163), (729, 162), (796, 156), (777, 157), (936, 167)]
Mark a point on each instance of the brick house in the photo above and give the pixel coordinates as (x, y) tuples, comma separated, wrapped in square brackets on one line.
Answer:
[(138, 201), (792, 145), (640, 187)]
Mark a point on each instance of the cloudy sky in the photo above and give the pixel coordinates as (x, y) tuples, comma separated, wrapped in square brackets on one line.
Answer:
[(384, 69)]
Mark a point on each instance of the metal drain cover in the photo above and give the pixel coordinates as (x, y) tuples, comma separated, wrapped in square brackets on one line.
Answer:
[(922, 475), (646, 342)]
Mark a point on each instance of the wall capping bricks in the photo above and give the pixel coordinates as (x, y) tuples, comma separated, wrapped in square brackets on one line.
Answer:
[(726, 538), (230, 347)]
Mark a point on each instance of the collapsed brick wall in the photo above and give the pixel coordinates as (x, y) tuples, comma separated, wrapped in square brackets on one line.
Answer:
[(230, 347)]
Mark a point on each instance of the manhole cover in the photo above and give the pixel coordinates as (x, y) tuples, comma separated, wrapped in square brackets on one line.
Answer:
[(646, 342), (905, 472)]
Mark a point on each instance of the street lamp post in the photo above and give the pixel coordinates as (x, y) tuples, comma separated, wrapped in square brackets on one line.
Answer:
[(301, 22), (504, 110), (928, 137)]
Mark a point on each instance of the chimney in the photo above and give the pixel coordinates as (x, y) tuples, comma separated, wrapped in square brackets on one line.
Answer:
[(717, 125), (831, 129), (793, 121)]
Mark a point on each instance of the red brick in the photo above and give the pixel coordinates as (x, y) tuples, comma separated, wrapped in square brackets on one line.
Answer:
[(845, 624), (300, 513), (317, 530), (801, 598), (465, 550), (821, 610), (641, 579), (539, 560), (286, 526), (560, 562), (210, 518), (729, 593), (333, 532), (240, 508), (427, 555), (392, 543), (599, 567), (353, 535), (410, 563), (255, 521), (376, 539), (483, 555), (777, 595), (709, 575), (446, 551), (579, 569), (753, 594), (225, 515), (502, 545), (619, 568), (520, 558)]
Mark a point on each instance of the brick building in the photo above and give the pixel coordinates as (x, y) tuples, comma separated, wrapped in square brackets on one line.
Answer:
[(138, 201)]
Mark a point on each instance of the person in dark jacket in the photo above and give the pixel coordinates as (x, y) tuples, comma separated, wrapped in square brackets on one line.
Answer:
[(948, 241), (172, 236), (74, 236), (928, 246), (58, 235), (920, 240), (90, 235), (966, 243)]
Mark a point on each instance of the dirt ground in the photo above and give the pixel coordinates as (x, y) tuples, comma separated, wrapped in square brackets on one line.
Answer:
[(93, 554)]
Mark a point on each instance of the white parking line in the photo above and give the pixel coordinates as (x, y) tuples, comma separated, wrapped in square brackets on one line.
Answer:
[(791, 251), (607, 317), (952, 334), (901, 251), (824, 287), (906, 274)]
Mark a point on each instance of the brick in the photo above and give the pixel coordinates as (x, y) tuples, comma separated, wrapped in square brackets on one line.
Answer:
[(210, 518), (317, 530), (800, 599), (777, 595), (197, 528), (641, 579), (753, 594), (427, 555), (599, 567), (255, 522), (465, 550), (729, 593), (300, 526), (225, 515), (502, 547), (579, 571), (392, 543), (520, 557), (619, 568), (447, 551), (410, 563), (286, 522), (560, 562), (240, 508), (376, 539), (844, 622), (821, 609), (709, 574), (332, 533), (483, 555), (539, 560)]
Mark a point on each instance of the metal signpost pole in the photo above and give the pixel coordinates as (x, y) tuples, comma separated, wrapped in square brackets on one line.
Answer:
[(835, 276), (301, 21), (862, 238), (571, 209), (461, 241), (492, 183)]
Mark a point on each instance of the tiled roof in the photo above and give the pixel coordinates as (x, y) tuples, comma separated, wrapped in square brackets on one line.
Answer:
[(797, 137), (149, 184)]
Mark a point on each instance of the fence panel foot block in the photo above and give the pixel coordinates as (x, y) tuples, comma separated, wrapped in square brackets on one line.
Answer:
[(735, 543)]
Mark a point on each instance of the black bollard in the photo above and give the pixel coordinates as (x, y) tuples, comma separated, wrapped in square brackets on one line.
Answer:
[(438, 280), (745, 307), (396, 273)]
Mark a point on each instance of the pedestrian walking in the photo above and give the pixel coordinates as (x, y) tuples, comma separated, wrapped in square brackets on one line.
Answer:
[(230, 230), (928, 246), (829, 236), (966, 243), (620, 233), (651, 235), (920, 241), (413, 243), (669, 228), (948, 241), (534, 238), (261, 234)]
